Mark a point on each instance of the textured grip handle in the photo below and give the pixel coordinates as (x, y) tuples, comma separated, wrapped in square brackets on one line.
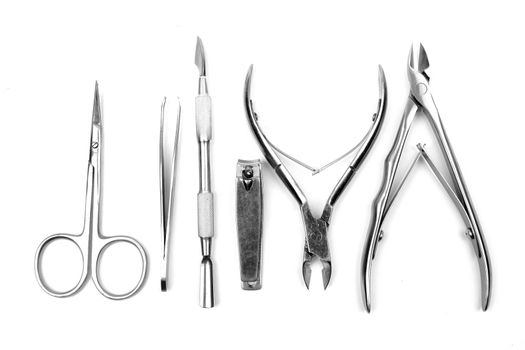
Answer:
[(203, 117), (205, 213)]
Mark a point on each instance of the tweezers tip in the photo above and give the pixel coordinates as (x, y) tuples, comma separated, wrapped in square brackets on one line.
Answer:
[(163, 285)]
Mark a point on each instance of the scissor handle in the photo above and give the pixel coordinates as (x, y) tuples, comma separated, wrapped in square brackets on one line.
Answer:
[(82, 246), (98, 251)]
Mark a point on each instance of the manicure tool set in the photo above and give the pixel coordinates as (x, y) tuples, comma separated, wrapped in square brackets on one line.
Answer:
[(249, 192)]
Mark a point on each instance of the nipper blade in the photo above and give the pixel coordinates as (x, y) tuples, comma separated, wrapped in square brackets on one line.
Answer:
[(326, 271), (418, 58)]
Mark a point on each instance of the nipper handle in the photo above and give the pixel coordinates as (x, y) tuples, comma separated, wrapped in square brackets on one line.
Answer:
[(381, 200)]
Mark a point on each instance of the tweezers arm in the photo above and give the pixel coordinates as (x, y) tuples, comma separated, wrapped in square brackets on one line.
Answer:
[(380, 202)]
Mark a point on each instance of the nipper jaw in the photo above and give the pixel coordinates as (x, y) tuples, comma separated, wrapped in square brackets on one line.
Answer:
[(421, 100), (316, 243)]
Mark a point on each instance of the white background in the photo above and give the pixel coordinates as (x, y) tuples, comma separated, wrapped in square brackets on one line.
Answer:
[(315, 89)]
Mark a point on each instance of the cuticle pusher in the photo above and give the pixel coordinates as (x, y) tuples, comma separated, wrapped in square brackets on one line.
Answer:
[(205, 209)]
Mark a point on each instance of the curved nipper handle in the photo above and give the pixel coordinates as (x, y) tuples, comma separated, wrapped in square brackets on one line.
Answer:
[(265, 146), (273, 159), (458, 193), (380, 202), (366, 143), (464, 203)]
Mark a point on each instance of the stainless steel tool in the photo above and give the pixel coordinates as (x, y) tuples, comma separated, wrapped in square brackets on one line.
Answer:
[(250, 222), (90, 241), (316, 243), (420, 99), (205, 196), (168, 144)]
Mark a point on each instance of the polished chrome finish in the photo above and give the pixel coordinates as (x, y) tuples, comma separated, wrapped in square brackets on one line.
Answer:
[(316, 243), (168, 144), (420, 99), (90, 241), (205, 195), (249, 221)]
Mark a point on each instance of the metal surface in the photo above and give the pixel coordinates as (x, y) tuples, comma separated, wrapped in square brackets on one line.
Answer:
[(168, 144), (420, 99), (91, 242), (205, 195), (316, 243), (249, 222)]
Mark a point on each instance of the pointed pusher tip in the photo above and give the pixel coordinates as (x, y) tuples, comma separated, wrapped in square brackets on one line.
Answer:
[(200, 57)]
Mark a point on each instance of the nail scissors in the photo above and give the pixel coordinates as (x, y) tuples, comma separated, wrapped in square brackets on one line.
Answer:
[(316, 243), (91, 242), (420, 99)]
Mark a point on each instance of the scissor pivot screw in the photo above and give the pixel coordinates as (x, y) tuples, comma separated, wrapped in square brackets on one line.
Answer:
[(94, 145)]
